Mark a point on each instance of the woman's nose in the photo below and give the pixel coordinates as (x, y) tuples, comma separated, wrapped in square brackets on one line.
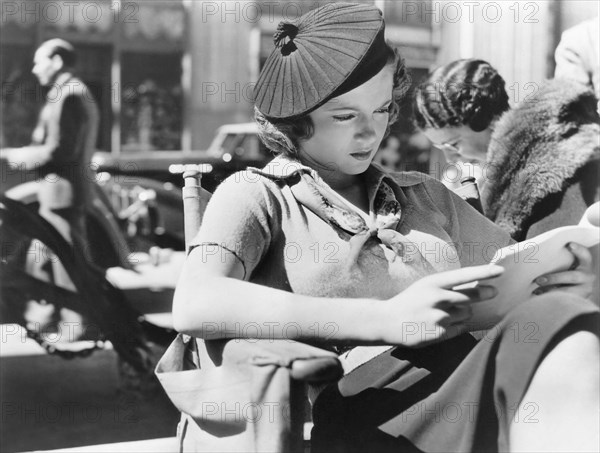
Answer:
[(366, 127)]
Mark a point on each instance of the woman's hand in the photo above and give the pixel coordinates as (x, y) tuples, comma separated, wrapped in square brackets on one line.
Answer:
[(429, 310), (578, 280)]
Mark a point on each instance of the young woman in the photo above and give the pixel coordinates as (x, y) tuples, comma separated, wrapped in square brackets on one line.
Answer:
[(321, 237), (540, 160)]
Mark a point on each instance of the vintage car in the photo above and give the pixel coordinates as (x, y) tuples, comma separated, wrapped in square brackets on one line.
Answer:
[(234, 147), (145, 188)]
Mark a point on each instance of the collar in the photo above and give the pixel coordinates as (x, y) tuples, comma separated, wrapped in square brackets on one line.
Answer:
[(374, 176), (57, 85), (284, 168), (63, 78)]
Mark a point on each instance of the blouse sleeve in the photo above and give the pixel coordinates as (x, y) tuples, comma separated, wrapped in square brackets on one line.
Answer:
[(476, 237), (238, 221)]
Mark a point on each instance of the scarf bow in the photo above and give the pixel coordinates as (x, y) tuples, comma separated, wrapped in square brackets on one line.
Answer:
[(387, 211)]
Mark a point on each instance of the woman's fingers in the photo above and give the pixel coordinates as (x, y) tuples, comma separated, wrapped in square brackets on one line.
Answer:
[(458, 304), (456, 316), (544, 289), (582, 256), (460, 313), (576, 277), (579, 278), (477, 294), (444, 312), (450, 279)]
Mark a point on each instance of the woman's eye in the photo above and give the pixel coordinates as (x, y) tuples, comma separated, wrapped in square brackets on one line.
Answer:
[(343, 117), (384, 110)]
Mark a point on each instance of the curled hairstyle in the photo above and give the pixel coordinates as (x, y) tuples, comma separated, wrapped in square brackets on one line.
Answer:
[(285, 135), (464, 92)]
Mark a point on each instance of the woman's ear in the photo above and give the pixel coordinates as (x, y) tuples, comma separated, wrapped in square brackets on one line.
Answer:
[(57, 62)]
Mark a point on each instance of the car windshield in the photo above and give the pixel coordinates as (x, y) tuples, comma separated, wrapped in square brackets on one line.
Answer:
[(245, 146)]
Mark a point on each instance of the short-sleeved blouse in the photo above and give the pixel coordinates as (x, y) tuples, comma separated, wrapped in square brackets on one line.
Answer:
[(254, 217)]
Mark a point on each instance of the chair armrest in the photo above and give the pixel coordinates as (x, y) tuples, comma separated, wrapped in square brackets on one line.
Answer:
[(263, 376), (278, 372)]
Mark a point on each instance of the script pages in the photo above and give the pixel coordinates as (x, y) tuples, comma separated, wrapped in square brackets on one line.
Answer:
[(527, 260)]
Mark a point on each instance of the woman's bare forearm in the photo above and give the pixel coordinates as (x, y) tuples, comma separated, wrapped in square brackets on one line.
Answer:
[(213, 307)]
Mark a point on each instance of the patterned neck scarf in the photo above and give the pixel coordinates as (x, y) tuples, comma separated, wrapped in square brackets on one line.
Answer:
[(314, 194), (386, 212), (319, 198)]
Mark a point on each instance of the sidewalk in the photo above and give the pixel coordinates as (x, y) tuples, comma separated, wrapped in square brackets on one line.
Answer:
[(50, 403)]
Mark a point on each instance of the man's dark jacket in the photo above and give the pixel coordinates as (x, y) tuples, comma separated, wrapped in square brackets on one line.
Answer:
[(68, 122)]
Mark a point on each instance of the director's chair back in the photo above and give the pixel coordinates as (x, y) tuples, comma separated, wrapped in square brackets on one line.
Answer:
[(195, 199), (239, 395)]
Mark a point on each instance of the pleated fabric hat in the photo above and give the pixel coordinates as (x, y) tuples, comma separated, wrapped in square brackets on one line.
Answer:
[(322, 54)]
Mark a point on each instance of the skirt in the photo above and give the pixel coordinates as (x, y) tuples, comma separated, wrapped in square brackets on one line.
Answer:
[(457, 395)]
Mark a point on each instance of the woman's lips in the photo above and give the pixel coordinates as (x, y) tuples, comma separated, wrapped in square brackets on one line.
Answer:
[(362, 155)]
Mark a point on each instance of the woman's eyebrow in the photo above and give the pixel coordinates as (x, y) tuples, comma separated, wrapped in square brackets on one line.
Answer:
[(351, 107), (342, 107)]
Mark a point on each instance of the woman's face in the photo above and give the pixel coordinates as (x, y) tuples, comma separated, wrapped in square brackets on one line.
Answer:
[(349, 128), (460, 143)]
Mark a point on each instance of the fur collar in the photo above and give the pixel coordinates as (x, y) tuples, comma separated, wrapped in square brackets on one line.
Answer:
[(536, 150)]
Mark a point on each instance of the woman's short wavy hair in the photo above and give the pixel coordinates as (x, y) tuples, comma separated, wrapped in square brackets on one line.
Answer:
[(285, 135), (465, 92)]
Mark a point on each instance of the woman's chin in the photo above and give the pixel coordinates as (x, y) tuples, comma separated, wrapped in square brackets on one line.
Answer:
[(359, 166)]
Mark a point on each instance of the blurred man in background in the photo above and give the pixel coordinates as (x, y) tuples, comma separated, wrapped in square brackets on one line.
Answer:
[(62, 145), (62, 141)]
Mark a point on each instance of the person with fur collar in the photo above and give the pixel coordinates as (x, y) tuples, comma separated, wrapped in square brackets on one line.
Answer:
[(541, 159)]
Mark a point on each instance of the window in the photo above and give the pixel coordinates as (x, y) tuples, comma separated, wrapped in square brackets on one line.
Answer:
[(151, 101)]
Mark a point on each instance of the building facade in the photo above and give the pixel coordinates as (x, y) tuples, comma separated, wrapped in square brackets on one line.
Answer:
[(167, 73), (129, 54)]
